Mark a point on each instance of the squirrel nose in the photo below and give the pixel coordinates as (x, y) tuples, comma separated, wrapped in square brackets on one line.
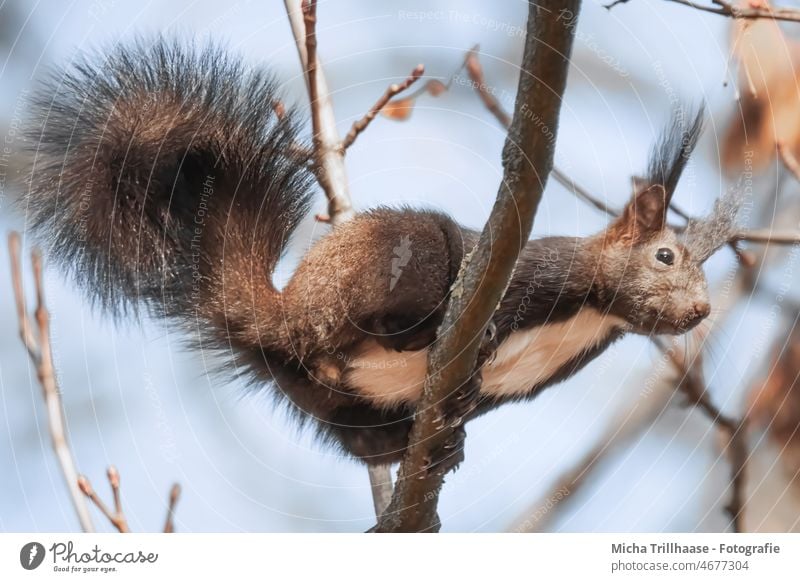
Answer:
[(702, 309)]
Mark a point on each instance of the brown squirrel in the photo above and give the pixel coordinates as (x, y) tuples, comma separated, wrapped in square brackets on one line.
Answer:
[(162, 177)]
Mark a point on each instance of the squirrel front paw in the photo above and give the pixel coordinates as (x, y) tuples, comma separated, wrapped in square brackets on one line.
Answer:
[(326, 371), (449, 455), (464, 400)]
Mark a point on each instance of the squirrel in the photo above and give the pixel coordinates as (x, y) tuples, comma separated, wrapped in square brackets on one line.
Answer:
[(162, 178)]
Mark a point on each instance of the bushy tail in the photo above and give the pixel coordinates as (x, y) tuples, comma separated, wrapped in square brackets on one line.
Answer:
[(162, 176)]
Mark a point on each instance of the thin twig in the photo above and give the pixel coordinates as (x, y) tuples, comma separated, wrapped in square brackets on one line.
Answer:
[(380, 480), (26, 333), (724, 8), (475, 72), (693, 386), (484, 274), (113, 480), (761, 236), (767, 236), (632, 421), (116, 517), (582, 193), (391, 91), (329, 166), (788, 159), (41, 356), (174, 495), (625, 427)]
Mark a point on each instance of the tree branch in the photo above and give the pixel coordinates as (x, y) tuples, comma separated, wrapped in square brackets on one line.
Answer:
[(760, 236), (734, 430), (329, 167), (724, 8), (788, 159), (485, 272), (117, 516), (626, 426), (691, 383), (767, 236), (41, 355), (391, 92), (174, 495), (475, 72)]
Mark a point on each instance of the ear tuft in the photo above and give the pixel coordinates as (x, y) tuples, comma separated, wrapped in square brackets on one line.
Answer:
[(672, 150)]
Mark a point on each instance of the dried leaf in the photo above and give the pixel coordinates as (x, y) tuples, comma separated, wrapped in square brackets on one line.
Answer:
[(769, 111), (775, 403), (399, 109), (434, 87)]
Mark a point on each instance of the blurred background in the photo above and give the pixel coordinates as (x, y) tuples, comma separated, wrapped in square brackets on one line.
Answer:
[(135, 398)]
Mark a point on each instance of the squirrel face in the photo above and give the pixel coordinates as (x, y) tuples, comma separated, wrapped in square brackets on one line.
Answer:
[(647, 276)]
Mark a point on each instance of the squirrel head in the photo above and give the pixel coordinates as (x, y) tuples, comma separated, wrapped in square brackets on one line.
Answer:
[(650, 274)]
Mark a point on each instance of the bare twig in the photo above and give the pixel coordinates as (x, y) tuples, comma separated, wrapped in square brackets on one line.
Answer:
[(724, 8), (761, 236), (174, 495), (329, 151), (485, 272), (26, 333), (116, 517), (582, 193), (391, 91), (475, 72), (380, 480), (693, 386), (625, 427), (41, 355), (788, 159), (632, 421), (329, 166), (767, 236)]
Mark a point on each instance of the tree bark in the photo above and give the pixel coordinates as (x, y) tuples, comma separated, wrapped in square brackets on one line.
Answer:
[(486, 271)]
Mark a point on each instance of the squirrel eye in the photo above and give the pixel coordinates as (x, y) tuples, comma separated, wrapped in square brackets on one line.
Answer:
[(665, 256)]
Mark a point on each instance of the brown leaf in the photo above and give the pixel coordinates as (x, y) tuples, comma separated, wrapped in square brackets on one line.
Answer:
[(434, 87), (775, 403), (399, 109), (769, 110)]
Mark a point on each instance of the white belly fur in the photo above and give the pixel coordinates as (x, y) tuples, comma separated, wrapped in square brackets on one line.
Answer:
[(523, 360)]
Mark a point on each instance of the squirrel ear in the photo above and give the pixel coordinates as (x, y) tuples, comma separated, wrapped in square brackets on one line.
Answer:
[(643, 217)]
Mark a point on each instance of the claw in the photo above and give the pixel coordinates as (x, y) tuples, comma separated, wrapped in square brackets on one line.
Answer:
[(450, 445), (463, 394)]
